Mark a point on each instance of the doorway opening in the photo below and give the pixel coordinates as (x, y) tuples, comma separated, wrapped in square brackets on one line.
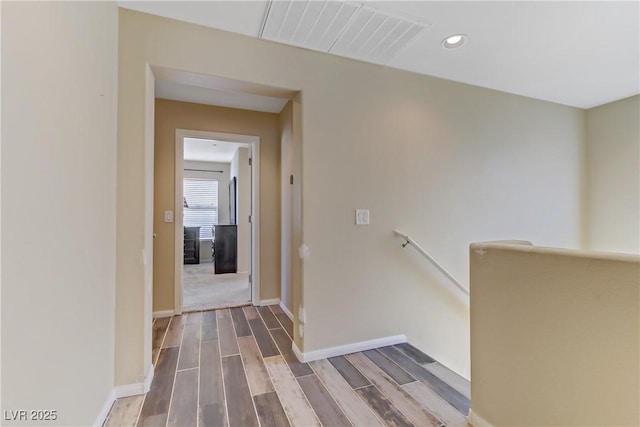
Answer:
[(216, 220)]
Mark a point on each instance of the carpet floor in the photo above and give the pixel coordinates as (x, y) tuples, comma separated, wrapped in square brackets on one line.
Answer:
[(204, 290)]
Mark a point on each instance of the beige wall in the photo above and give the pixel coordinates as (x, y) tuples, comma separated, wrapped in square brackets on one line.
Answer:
[(286, 193), (446, 162), (134, 239), (172, 115), (298, 226), (291, 291), (554, 337), (613, 167), (240, 170), (58, 188)]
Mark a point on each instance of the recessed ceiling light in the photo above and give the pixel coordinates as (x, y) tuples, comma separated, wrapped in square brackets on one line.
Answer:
[(454, 41)]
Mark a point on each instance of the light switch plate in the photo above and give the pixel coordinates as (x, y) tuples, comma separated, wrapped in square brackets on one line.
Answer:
[(168, 216), (362, 216)]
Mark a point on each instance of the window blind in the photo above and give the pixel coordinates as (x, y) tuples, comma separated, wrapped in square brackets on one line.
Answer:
[(200, 204)]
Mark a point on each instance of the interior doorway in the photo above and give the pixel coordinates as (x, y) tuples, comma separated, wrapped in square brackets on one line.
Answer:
[(216, 219)]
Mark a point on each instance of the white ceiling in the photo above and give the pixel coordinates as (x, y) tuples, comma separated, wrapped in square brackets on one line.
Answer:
[(210, 150), (575, 53), (223, 98)]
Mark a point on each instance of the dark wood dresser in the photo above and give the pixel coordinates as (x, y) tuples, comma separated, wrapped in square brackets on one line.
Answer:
[(225, 248), (191, 248)]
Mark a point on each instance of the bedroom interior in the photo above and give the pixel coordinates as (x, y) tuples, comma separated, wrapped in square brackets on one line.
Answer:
[(211, 278)]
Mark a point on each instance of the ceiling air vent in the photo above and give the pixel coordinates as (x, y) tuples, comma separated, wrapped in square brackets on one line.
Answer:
[(343, 28)]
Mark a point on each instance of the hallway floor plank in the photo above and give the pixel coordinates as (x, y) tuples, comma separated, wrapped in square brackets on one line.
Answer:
[(236, 368)]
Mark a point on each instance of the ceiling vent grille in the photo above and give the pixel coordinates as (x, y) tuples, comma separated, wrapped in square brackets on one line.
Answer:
[(343, 28)]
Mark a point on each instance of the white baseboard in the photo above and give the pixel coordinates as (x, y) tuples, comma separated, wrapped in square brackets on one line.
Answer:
[(106, 408), (271, 301), (347, 348), (163, 313), (286, 311), (477, 421), (137, 388)]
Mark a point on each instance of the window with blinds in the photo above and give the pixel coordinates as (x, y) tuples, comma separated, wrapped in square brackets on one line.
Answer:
[(200, 204)]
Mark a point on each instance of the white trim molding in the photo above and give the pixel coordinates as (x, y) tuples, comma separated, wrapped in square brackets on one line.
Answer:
[(137, 388), (286, 311), (106, 408), (272, 301), (477, 421), (178, 220), (163, 313), (347, 348)]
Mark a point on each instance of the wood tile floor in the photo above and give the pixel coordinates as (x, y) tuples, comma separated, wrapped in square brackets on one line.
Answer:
[(235, 367)]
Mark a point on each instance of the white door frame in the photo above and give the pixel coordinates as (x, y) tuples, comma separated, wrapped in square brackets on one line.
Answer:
[(254, 153)]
